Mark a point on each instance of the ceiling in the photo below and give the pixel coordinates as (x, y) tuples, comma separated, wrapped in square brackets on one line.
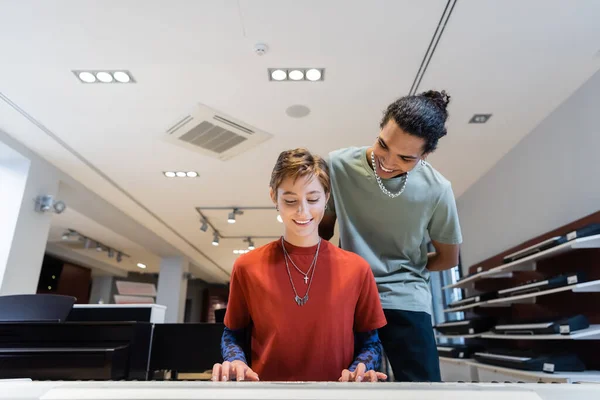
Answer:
[(515, 59)]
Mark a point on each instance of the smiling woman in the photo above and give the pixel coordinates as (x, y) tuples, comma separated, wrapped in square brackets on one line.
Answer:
[(304, 297)]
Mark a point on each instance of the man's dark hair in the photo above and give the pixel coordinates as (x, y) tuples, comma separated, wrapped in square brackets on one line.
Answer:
[(423, 115)]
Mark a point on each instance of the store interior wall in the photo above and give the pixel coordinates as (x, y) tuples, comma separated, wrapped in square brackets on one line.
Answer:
[(551, 178)]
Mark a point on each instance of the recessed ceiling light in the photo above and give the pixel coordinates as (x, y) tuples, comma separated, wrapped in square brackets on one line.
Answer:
[(87, 77), (122, 77), (236, 252), (142, 266), (104, 77), (296, 75), (278, 75), (181, 174), (480, 118), (313, 74)]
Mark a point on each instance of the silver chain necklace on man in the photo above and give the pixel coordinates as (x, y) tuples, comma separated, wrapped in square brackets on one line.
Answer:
[(300, 300), (380, 183)]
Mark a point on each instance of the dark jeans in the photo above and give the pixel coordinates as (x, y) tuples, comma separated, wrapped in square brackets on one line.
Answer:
[(409, 344)]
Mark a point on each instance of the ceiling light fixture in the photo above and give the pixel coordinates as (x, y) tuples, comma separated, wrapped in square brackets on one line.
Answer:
[(87, 77), (180, 174), (296, 74), (104, 76), (250, 244), (122, 77), (204, 226), (215, 241), (278, 75), (231, 215), (480, 118), (313, 74), (142, 266)]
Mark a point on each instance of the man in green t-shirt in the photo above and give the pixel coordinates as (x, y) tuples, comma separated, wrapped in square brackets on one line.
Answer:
[(390, 204)]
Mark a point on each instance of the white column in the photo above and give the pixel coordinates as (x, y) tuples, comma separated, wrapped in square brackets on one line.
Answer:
[(101, 289), (172, 287), (23, 231)]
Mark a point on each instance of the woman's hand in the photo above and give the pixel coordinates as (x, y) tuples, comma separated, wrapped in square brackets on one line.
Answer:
[(361, 375), (237, 370)]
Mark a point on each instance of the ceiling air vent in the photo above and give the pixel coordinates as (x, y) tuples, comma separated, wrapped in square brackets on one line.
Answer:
[(215, 134)]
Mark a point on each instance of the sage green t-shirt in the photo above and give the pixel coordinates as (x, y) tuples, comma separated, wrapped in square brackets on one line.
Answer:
[(392, 233)]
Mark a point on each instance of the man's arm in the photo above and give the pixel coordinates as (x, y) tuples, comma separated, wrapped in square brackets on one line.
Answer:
[(327, 226), (445, 256)]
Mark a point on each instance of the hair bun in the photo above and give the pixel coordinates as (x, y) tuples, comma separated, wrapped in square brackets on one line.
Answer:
[(441, 99)]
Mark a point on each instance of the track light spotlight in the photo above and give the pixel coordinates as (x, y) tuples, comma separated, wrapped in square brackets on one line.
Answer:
[(204, 226), (47, 203), (215, 241), (231, 216)]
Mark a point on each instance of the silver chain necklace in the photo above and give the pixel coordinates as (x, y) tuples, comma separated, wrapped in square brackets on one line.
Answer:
[(383, 188), (300, 300), (298, 269)]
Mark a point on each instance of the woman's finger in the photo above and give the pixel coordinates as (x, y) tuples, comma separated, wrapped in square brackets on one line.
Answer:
[(251, 375), (359, 372), (216, 372), (225, 370), (238, 369), (346, 375), (381, 376), (370, 376)]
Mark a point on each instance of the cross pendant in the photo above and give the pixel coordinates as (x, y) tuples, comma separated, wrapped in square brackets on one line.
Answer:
[(305, 279)]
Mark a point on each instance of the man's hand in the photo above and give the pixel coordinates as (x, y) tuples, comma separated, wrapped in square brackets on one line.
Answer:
[(233, 370), (361, 375), (445, 256)]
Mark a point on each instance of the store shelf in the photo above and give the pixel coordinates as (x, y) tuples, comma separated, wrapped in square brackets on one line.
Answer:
[(591, 333), (585, 287), (488, 373), (563, 377), (592, 286), (529, 263), (472, 336), (469, 281), (457, 361)]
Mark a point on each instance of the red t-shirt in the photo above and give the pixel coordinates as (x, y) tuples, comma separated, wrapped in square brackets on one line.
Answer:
[(313, 342)]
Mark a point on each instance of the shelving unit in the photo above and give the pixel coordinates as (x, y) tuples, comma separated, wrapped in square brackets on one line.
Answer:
[(528, 263), (566, 258), (587, 287)]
